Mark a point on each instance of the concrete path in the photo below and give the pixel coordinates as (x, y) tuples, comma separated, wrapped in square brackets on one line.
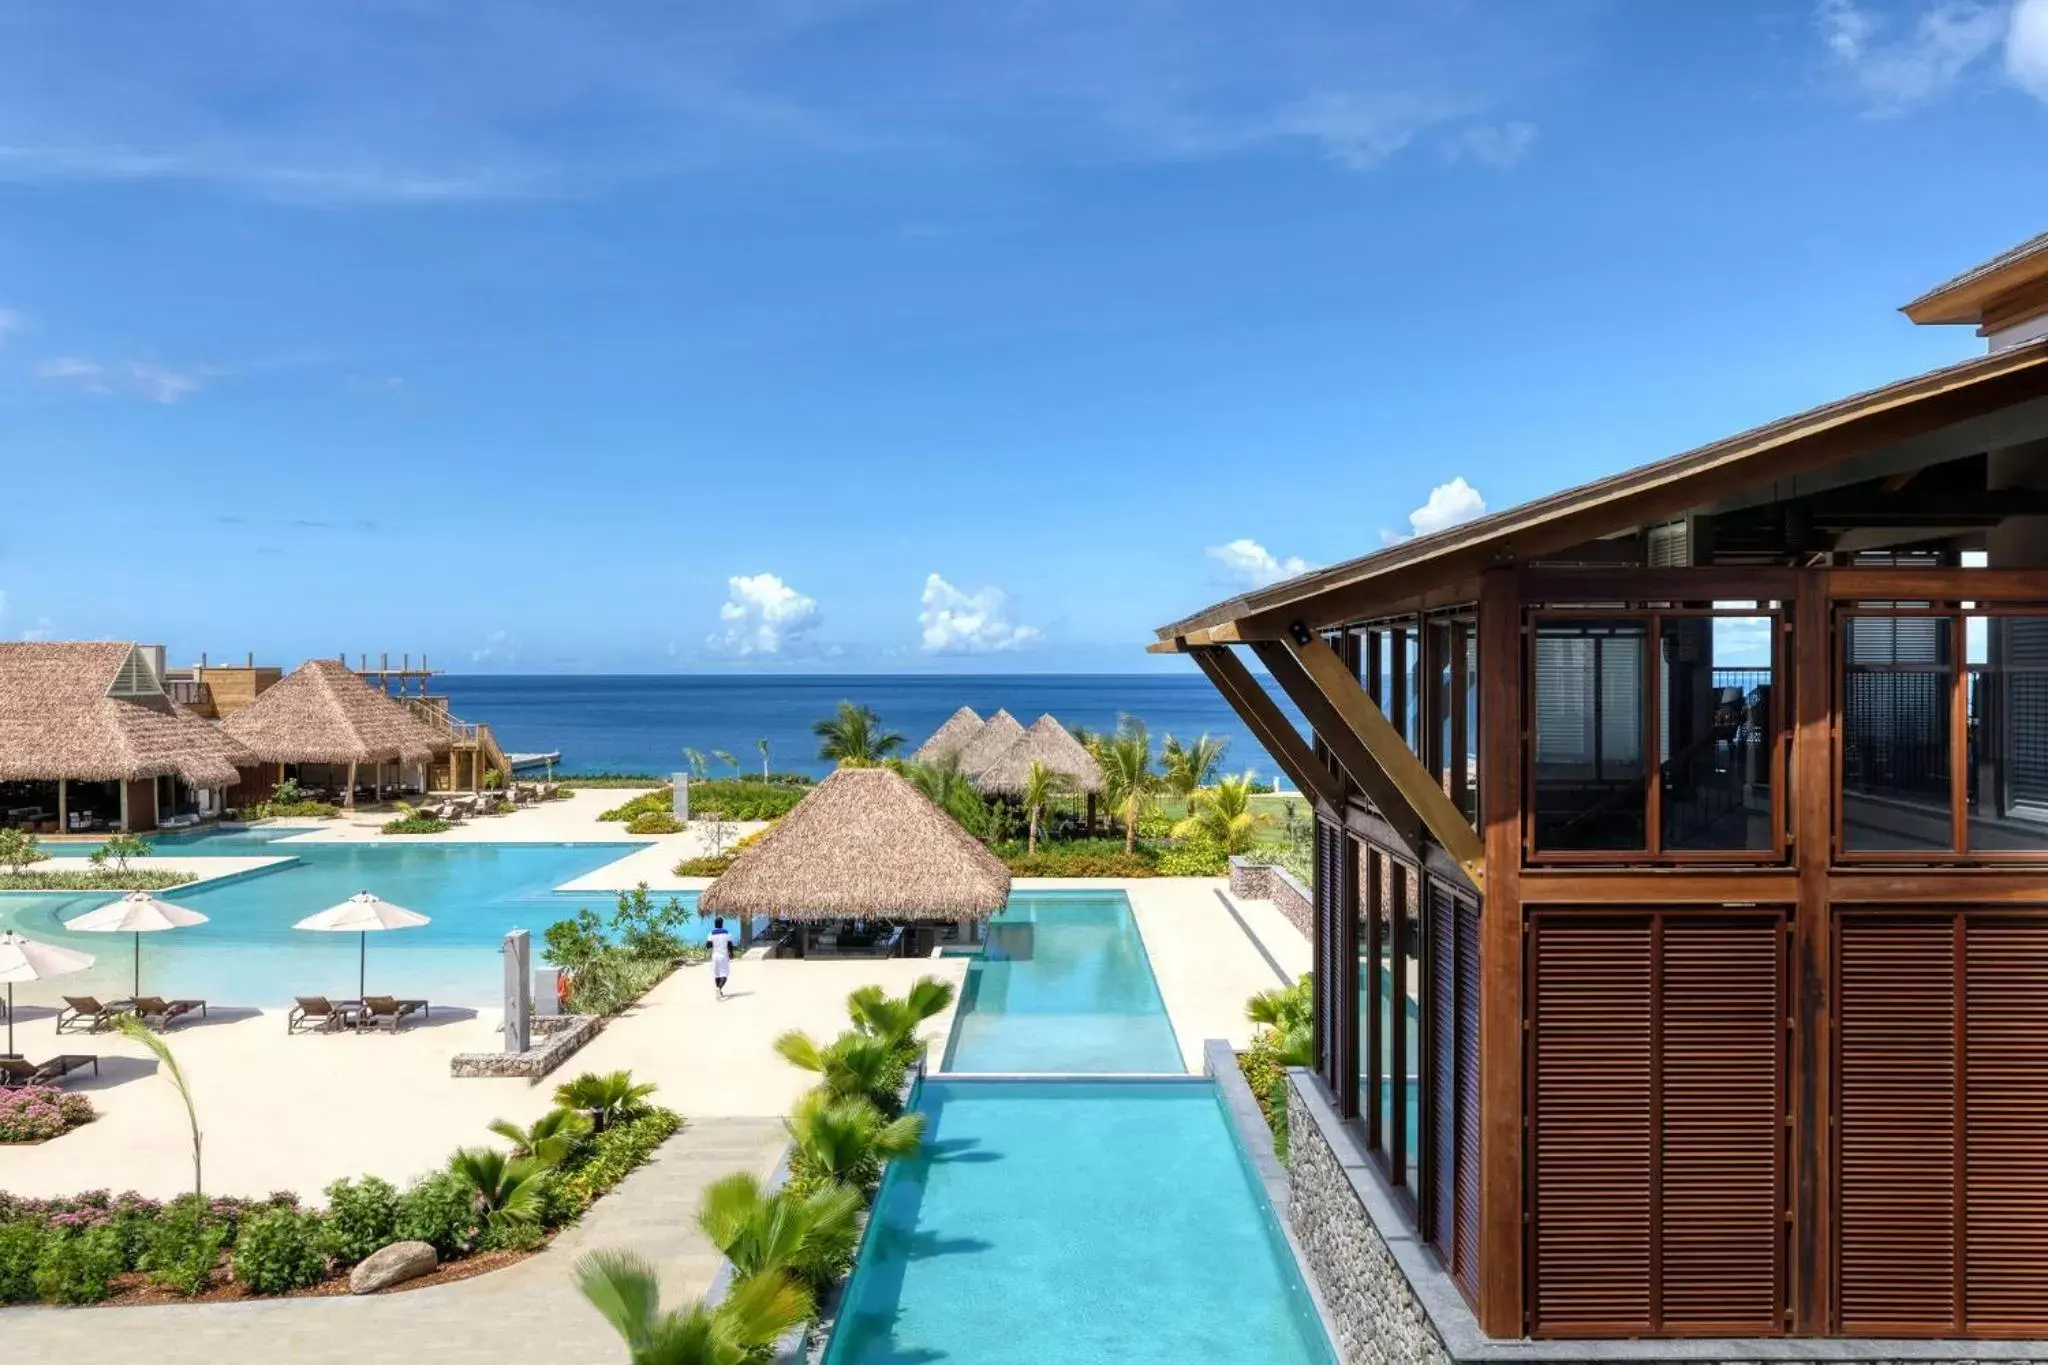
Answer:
[(525, 1312)]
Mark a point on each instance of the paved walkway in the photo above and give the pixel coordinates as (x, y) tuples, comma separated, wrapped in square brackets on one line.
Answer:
[(525, 1312)]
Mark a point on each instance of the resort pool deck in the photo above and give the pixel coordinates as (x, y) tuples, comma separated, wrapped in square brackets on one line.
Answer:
[(1084, 1222), (249, 954), (1063, 986)]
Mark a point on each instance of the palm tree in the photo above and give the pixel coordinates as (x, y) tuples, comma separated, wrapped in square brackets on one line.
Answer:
[(762, 745), (695, 758), (896, 1021), (808, 1235), (507, 1187), (853, 1066), (723, 757), (1188, 768), (848, 1140), (1129, 786), (609, 1099), (745, 1323), (135, 1030), (1041, 784), (946, 787), (549, 1139), (854, 737), (1223, 816)]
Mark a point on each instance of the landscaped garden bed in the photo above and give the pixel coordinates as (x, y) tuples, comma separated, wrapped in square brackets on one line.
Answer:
[(38, 1113)]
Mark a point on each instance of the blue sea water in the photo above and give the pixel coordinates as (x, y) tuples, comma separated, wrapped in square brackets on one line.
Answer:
[(643, 723), (1083, 1222)]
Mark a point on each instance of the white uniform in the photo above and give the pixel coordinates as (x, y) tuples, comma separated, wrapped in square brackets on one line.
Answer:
[(721, 954)]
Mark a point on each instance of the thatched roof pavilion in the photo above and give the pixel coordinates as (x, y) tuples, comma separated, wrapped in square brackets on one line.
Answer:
[(990, 742), (864, 843), (1047, 742), (322, 712), (949, 739), (95, 711)]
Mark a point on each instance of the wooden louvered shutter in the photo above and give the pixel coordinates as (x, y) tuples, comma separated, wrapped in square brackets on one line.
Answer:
[(2005, 1122), (1465, 1266), (1896, 1126), (1721, 1106), (1590, 1127), (1440, 1125)]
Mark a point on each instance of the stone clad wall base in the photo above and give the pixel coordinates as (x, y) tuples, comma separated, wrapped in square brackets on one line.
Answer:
[(556, 1037), (1251, 881)]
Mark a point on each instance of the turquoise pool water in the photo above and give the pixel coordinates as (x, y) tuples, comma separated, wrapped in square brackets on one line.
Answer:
[(1063, 986), (1076, 1222), (248, 953)]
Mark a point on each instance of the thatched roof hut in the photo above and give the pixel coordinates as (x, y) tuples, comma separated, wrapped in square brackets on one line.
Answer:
[(95, 711), (323, 713), (990, 742), (1047, 742), (863, 843), (949, 739)]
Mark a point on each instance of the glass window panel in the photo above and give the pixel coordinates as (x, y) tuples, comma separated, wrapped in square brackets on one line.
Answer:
[(1714, 699), (1411, 1009), (1896, 792), (1371, 953), (1591, 789), (2008, 765), (1383, 968)]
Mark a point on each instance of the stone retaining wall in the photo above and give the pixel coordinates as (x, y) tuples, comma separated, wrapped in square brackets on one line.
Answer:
[(1251, 881), (557, 1038)]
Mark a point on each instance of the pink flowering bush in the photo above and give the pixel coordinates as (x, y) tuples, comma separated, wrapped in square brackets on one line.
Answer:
[(36, 1112)]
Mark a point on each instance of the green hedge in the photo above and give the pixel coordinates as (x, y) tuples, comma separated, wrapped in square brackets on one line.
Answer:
[(1080, 858), (734, 798), (609, 1157), (94, 879)]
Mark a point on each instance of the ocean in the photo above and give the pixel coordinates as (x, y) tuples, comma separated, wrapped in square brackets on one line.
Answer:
[(642, 724)]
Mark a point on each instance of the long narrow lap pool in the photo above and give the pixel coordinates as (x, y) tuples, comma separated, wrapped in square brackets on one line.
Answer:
[(1077, 1222)]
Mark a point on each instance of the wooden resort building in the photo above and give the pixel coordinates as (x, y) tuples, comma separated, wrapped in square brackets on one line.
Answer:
[(328, 729), (90, 741), (1681, 887)]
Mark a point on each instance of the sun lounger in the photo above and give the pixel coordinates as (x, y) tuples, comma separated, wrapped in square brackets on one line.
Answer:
[(87, 1013), (15, 1071), (388, 1012), (160, 1013), (318, 1013)]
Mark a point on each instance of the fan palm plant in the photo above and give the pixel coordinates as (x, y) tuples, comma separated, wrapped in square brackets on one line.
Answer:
[(810, 1236), (848, 1140), (854, 1066), (1041, 785), (549, 1138), (507, 1188), (624, 1288), (895, 1021), (609, 1098), (1223, 816), (1188, 768), (1288, 1012), (1129, 785), (853, 737)]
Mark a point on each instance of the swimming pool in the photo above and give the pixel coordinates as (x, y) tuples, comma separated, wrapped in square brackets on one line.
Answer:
[(248, 953), (1083, 1222), (1063, 986)]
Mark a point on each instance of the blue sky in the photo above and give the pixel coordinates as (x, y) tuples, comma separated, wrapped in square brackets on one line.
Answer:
[(848, 334)]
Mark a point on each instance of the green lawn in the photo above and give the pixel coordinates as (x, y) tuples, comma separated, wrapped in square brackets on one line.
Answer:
[(1274, 833)]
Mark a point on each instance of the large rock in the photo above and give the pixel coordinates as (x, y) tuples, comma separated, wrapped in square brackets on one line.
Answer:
[(395, 1264)]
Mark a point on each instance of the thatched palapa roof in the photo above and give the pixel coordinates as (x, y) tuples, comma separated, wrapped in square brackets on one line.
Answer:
[(1047, 742), (990, 742), (949, 739), (323, 713), (863, 843), (95, 711)]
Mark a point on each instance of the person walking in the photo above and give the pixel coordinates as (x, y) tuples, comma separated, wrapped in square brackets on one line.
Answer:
[(721, 955)]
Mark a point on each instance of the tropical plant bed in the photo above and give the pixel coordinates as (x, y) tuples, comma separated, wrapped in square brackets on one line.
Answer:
[(96, 879), (37, 1114), (133, 1289)]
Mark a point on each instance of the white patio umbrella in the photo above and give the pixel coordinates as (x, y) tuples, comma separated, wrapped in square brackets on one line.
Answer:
[(136, 913), (24, 959), (362, 914)]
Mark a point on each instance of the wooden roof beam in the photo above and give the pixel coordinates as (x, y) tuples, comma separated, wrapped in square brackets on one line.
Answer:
[(1270, 726), (1363, 739)]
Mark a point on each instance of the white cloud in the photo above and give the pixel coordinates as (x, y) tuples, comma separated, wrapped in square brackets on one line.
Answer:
[(136, 378), (1254, 564), (956, 622), (1498, 146), (1448, 504), (2026, 47), (498, 648), (1894, 71), (763, 615), (11, 323)]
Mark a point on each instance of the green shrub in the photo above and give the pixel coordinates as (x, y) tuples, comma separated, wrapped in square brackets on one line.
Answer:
[(361, 1217), (1080, 858), (1266, 1074), (78, 1267), (612, 1155), (611, 981), (182, 1246), (704, 867), (95, 879), (1193, 858), (279, 1251), (415, 824), (290, 810), (439, 1209), (745, 798), (21, 1244), (654, 822), (1154, 825), (511, 1234), (494, 781)]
